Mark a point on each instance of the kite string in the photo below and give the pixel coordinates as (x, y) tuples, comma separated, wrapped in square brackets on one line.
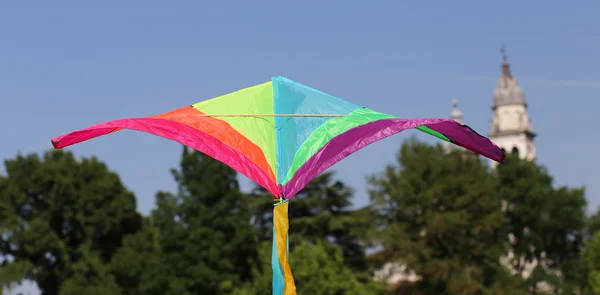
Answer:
[(272, 115)]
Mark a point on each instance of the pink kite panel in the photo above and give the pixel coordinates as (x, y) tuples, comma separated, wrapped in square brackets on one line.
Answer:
[(181, 133)]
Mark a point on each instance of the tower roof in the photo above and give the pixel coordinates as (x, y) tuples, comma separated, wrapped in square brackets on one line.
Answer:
[(508, 91), (456, 112)]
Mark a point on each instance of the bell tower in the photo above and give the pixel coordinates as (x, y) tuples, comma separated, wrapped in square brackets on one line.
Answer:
[(457, 116), (456, 112), (511, 127)]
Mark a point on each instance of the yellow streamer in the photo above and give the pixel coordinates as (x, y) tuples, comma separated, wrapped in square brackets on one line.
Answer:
[(280, 220)]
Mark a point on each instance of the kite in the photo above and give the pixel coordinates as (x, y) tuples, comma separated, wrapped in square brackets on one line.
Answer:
[(282, 134)]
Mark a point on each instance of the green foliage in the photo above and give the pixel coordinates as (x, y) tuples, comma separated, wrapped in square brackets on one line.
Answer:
[(13, 273), (199, 241), (591, 255), (138, 267), (90, 276), (547, 224), (437, 216), (61, 219), (316, 271), (592, 225)]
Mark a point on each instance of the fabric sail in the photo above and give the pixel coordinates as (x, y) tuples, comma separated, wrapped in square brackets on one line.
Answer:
[(282, 134)]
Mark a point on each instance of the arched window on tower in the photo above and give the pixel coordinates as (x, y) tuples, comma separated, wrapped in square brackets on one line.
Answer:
[(515, 151)]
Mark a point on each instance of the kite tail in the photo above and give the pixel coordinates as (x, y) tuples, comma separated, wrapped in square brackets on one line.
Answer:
[(283, 280)]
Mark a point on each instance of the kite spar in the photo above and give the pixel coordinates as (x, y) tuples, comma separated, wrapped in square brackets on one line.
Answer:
[(282, 134)]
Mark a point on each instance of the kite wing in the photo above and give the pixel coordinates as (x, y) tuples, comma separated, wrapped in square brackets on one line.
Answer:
[(282, 134)]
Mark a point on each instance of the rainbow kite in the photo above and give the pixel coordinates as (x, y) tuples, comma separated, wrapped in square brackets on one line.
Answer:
[(282, 134)]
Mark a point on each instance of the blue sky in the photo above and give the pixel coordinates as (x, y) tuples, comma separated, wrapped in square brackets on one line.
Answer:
[(66, 65)]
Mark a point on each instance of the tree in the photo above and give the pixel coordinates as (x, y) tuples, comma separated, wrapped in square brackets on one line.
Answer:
[(546, 225), (61, 220), (317, 270), (91, 276), (438, 217), (139, 266), (592, 225), (198, 241), (591, 255)]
